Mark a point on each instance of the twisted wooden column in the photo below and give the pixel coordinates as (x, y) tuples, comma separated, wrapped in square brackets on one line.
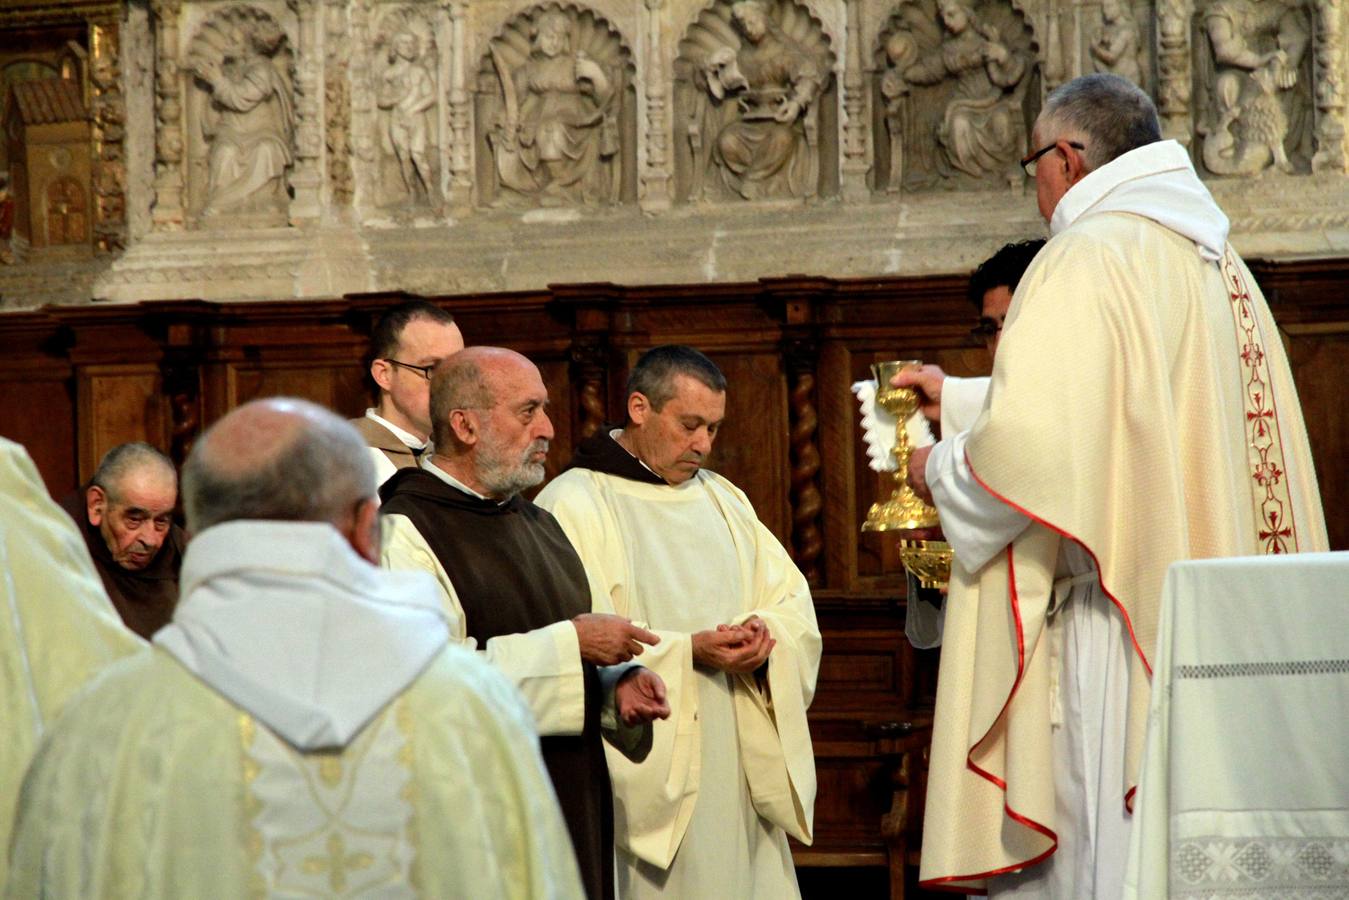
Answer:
[(589, 357), (802, 356)]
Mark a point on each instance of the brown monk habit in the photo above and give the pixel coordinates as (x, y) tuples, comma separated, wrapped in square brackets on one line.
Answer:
[(514, 571), (145, 599)]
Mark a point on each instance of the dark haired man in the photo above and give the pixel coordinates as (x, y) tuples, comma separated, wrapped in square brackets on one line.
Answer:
[(669, 543), (955, 402), (126, 516), (1124, 429), (407, 343)]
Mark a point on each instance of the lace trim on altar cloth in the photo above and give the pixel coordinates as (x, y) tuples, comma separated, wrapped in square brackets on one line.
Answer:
[(1267, 868), (1259, 669)]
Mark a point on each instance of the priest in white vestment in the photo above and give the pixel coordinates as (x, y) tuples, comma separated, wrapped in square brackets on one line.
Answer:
[(678, 548), (1141, 411), (57, 628), (303, 727)]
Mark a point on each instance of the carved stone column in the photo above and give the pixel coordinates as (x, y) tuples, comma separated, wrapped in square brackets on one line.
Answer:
[(363, 151), (306, 180), (108, 109), (337, 106), (1330, 153), (802, 358), (1173, 69), (168, 211), (656, 174), (856, 135), (461, 153)]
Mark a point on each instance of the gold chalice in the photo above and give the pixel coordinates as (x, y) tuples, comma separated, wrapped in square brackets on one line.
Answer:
[(928, 561)]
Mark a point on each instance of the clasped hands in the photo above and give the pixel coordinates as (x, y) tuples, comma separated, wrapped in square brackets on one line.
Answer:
[(738, 649)]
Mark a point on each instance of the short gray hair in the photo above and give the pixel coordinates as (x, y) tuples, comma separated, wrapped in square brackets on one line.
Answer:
[(653, 376), (457, 383), (124, 459), (1112, 114), (315, 468)]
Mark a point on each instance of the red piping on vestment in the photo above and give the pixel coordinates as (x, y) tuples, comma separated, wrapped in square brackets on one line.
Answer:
[(1026, 821), (1100, 579)]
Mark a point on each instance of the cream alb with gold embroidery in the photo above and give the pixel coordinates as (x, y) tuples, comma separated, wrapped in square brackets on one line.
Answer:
[(57, 626), (242, 756), (1116, 419)]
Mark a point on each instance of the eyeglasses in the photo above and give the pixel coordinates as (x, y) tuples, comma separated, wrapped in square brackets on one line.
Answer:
[(1029, 162), (987, 331), (424, 371)]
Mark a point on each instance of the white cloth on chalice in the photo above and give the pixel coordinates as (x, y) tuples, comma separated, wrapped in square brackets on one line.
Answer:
[(878, 429)]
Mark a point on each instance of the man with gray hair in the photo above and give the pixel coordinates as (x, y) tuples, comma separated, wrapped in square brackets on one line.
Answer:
[(126, 516), (513, 586), (1124, 429), (304, 726)]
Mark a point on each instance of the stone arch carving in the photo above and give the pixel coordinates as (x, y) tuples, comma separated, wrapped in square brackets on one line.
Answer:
[(756, 108), (951, 113), (405, 83), (1253, 98), (556, 112), (240, 119)]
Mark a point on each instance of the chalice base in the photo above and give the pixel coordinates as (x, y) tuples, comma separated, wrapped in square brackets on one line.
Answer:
[(927, 561), (904, 510)]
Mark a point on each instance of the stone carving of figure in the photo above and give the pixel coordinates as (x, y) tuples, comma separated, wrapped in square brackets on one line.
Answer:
[(765, 150), (558, 140), (1117, 48), (1258, 46), (249, 121), (901, 51), (407, 92), (981, 130)]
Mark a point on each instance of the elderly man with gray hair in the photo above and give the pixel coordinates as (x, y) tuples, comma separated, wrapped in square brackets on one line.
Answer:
[(126, 516), (304, 726), (1125, 429)]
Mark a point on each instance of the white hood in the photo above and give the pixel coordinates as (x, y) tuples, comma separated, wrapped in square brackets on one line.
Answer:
[(1156, 181), (288, 622)]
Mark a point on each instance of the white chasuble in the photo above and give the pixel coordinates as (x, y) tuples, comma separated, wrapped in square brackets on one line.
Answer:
[(731, 773)]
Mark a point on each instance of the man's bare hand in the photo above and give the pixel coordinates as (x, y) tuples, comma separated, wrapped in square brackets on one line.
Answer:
[(918, 473), (927, 382), (607, 640), (738, 649), (640, 697)]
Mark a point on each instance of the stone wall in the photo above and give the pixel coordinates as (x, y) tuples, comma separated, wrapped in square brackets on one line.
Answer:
[(303, 148)]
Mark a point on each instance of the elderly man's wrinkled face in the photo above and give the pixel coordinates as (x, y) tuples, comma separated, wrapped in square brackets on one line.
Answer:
[(676, 440), (134, 518), (514, 433)]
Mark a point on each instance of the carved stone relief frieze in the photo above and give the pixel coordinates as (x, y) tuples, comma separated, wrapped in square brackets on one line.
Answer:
[(755, 105), (240, 119), (556, 112), (1252, 80), (960, 88)]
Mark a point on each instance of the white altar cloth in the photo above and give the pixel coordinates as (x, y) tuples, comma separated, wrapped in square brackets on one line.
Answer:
[(1244, 789)]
